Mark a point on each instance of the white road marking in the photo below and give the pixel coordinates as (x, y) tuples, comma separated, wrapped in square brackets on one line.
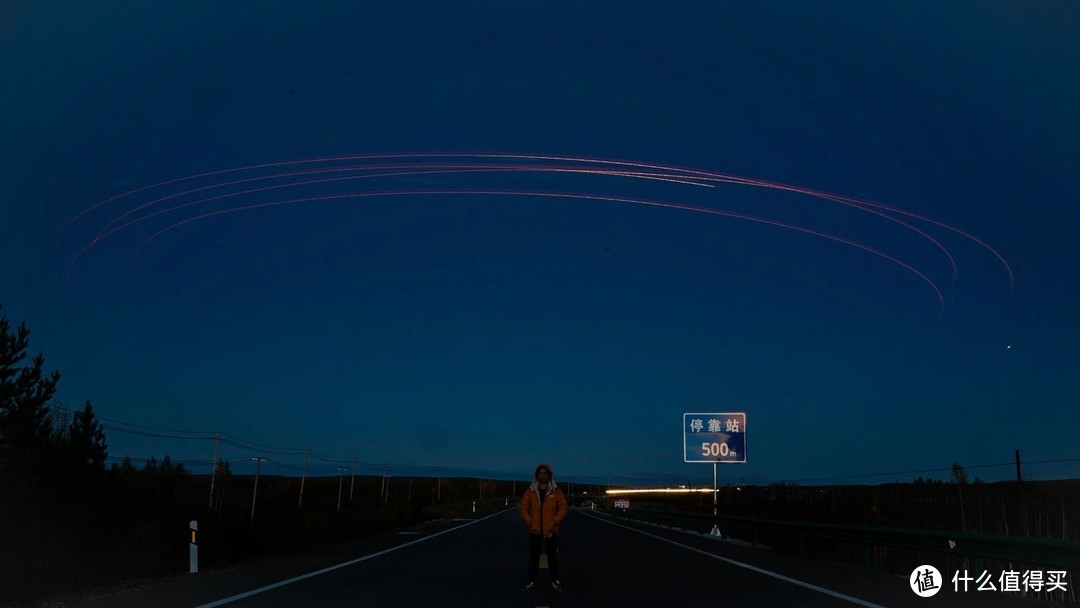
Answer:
[(297, 579), (788, 579)]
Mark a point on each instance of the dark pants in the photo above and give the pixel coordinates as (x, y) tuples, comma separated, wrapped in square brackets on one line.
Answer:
[(548, 545)]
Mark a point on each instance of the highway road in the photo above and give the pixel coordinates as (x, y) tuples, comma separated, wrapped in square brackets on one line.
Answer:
[(481, 562)]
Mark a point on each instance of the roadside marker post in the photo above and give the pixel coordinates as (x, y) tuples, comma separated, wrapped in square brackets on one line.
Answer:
[(193, 549)]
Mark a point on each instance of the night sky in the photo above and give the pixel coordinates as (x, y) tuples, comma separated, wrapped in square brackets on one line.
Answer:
[(488, 332)]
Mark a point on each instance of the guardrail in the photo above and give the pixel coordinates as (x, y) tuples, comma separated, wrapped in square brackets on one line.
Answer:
[(1025, 550)]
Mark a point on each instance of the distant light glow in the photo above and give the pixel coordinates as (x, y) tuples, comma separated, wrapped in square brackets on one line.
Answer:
[(660, 491)]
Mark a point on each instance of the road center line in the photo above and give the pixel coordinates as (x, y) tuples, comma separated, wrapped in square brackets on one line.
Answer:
[(297, 579), (853, 600)]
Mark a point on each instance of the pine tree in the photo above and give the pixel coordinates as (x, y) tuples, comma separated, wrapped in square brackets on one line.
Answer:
[(25, 427), (87, 441)]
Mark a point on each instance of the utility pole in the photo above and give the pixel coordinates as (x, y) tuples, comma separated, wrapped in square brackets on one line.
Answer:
[(341, 478), (386, 495), (1020, 494), (438, 490), (258, 463), (303, 476), (213, 473), (1018, 477), (352, 481)]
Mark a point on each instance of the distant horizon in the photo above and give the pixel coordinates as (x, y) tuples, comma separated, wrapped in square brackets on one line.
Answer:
[(586, 482)]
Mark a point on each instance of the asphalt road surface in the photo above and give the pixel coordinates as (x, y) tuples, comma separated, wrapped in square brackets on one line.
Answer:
[(481, 563)]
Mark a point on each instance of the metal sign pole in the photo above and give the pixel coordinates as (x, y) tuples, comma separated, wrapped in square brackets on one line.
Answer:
[(714, 489), (715, 529)]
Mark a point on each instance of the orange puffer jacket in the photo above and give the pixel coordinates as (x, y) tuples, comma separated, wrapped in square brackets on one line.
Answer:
[(543, 520)]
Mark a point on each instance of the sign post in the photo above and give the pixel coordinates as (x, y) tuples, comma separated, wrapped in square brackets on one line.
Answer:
[(714, 438)]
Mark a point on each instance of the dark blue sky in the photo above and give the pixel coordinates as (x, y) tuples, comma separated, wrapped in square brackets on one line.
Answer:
[(496, 332)]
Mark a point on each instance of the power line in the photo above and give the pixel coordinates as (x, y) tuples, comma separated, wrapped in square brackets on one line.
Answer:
[(282, 464), (130, 424), (186, 462), (154, 434), (269, 449), (261, 450)]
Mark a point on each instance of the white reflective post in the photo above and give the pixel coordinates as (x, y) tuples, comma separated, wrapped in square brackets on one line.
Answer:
[(474, 506), (193, 549)]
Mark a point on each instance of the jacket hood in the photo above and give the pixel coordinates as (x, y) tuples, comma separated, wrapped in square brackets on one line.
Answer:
[(535, 485)]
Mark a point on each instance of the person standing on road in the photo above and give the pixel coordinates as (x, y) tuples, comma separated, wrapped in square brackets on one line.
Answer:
[(543, 507)]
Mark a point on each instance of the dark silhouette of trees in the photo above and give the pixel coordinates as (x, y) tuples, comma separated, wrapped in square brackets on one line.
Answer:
[(87, 441), (24, 393), (69, 523)]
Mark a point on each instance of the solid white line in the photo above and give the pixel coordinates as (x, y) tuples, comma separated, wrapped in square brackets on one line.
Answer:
[(296, 579), (788, 579)]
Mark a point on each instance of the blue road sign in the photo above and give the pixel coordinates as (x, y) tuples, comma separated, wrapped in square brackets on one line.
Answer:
[(714, 437)]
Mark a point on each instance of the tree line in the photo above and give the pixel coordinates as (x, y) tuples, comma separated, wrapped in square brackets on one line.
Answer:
[(69, 523)]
